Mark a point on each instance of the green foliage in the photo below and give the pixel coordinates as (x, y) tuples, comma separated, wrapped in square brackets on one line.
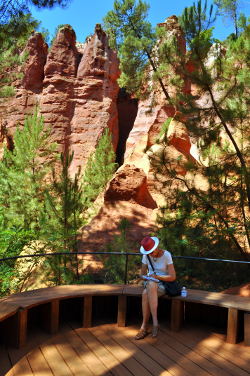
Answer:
[(217, 212), (210, 218), (23, 172), (134, 38), (115, 265), (15, 8), (99, 169), (229, 9), (7, 91), (63, 207), (196, 19), (14, 34), (164, 130), (62, 220), (12, 242), (13, 38)]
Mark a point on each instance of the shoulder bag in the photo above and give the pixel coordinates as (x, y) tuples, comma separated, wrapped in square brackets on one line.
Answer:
[(172, 288)]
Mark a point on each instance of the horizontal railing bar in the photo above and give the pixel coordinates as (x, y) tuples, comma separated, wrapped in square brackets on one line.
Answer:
[(117, 253)]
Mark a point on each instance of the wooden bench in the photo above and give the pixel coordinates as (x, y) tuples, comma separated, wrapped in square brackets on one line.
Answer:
[(233, 303), (16, 307)]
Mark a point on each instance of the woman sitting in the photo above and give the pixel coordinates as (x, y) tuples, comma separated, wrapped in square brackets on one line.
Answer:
[(156, 264)]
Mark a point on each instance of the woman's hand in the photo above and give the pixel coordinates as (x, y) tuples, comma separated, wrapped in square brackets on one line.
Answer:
[(170, 277), (154, 276)]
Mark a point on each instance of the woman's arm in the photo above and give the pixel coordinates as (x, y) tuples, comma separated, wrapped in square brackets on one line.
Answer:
[(170, 277), (144, 269)]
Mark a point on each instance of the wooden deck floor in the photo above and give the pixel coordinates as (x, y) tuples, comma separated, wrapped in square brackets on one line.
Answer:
[(109, 350)]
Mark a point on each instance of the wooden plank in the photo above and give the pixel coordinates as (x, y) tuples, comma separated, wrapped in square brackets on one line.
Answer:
[(50, 316), (169, 366), (102, 353), (21, 327), (86, 355), (28, 299), (55, 360), (7, 310), (133, 290), (123, 355), (33, 298), (232, 325), (22, 368), (71, 358), (224, 356), (217, 299), (247, 329), (189, 352), (5, 363), (124, 338), (148, 345), (177, 314), (35, 339), (87, 311), (38, 364), (194, 356), (122, 310), (54, 316)]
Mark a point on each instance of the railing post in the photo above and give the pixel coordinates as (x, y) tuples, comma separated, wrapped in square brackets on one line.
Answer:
[(126, 271)]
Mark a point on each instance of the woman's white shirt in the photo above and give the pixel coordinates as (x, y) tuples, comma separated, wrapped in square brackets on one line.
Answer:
[(160, 265)]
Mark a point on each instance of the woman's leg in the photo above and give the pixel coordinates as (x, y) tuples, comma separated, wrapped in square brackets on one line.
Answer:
[(152, 297), (145, 309)]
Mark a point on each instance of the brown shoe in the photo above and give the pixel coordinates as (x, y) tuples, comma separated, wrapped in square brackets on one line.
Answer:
[(155, 330), (141, 334)]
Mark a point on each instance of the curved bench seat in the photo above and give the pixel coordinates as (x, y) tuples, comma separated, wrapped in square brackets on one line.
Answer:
[(17, 305), (32, 298), (14, 309)]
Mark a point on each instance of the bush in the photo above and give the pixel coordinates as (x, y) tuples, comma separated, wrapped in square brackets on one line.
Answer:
[(7, 91)]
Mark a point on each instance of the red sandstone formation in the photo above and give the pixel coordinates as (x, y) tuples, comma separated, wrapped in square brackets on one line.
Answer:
[(96, 91), (37, 51), (130, 184), (104, 227), (151, 116), (127, 197), (76, 93)]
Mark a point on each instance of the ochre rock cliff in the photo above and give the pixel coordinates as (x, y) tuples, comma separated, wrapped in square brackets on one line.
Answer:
[(75, 91), (75, 88), (134, 185)]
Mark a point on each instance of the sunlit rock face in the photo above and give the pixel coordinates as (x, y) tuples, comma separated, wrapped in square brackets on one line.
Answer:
[(153, 112), (130, 184), (37, 51), (75, 89)]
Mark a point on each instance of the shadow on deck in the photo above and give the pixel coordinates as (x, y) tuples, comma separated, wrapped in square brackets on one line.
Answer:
[(111, 350)]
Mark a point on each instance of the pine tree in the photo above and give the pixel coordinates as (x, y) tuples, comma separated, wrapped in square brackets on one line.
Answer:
[(230, 9), (23, 172), (135, 40), (15, 8), (222, 211), (63, 218), (99, 169), (221, 74)]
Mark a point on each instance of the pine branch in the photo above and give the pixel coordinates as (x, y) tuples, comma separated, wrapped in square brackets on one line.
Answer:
[(194, 192)]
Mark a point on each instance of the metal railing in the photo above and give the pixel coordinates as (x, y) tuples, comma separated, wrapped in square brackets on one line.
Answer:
[(186, 271)]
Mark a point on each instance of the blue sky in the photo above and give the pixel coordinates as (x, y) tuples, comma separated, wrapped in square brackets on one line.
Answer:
[(82, 15)]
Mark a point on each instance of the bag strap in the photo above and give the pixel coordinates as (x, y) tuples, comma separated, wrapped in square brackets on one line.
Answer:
[(149, 259)]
